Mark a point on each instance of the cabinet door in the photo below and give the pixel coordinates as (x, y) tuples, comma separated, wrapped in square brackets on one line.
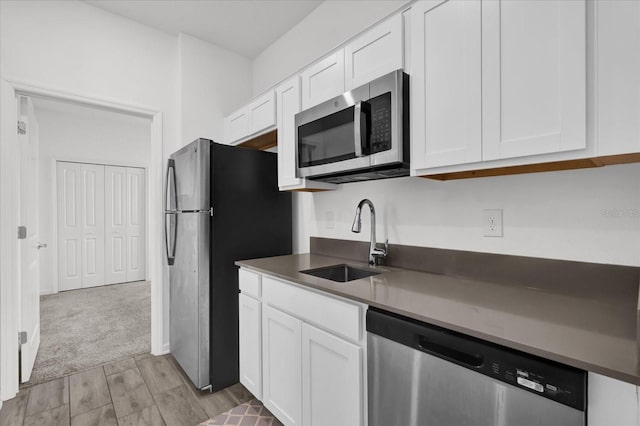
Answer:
[(288, 105), (281, 355), (618, 76), (323, 80), (533, 77), (446, 110), (93, 225), (612, 402), (262, 112), (250, 326), (69, 194), (135, 232), (331, 379), (236, 125), (375, 53), (116, 224)]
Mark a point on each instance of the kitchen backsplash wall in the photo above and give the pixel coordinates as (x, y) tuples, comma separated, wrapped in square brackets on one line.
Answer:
[(587, 215)]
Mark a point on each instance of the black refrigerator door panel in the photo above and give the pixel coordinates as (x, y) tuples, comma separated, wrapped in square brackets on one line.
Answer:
[(252, 219)]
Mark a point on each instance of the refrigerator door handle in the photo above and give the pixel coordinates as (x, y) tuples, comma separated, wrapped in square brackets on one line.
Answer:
[(171, 213), (171, 247), (171, 203)]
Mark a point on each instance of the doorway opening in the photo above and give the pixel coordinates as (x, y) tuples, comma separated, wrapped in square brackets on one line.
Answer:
[(15, 295), (88, 167)]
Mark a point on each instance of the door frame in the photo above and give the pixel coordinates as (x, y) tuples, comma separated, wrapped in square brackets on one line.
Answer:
[(9, 382), (54, 214)]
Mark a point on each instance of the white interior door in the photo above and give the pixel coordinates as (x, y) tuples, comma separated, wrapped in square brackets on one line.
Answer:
[(135, 232), (92, 225), (29, 264), (115, 226), (69, 194)]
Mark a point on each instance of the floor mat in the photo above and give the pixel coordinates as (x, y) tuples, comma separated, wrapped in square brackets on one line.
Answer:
[(81, 329), (251, 413)]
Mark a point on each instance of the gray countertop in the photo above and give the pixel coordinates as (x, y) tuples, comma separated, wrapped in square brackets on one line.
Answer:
[(596, 334)]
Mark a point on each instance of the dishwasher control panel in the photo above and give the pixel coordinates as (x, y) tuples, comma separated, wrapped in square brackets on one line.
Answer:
[(561, 383)]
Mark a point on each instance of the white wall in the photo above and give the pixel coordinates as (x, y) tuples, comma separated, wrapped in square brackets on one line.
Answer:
[(73, 46), (212, 82), (588, 215), (329, 25), (80, 134)]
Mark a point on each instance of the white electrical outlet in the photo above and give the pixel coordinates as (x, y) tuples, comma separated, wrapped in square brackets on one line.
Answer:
[(492, 222)]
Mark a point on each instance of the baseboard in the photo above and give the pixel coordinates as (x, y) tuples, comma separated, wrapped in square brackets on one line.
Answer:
[(46, 292), (166, 348)]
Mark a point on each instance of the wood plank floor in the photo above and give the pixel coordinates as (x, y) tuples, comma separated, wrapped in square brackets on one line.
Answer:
[(136, 391)]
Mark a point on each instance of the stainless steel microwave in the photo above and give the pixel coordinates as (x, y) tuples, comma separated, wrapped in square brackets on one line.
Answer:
[(360, 135)]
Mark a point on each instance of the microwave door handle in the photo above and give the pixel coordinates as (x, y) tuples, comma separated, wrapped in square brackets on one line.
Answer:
[(357, 128)]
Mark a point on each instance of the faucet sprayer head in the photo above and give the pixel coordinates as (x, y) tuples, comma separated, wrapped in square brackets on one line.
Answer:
[(357, 221)]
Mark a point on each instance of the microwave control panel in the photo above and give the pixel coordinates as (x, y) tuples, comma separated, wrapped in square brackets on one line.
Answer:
[(380, 123)]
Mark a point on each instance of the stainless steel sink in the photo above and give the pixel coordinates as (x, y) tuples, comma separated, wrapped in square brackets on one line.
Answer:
[(340, 273)]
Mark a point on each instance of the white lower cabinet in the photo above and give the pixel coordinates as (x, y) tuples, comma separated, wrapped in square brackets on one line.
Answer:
[(250, 314), (612, 402), (307, 368), (282, 365), (331, 379)]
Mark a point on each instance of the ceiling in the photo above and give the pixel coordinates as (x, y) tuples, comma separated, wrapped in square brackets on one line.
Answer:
[(246, 27)]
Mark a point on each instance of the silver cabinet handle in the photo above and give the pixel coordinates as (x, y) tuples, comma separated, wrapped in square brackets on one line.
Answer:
[(41, 245)]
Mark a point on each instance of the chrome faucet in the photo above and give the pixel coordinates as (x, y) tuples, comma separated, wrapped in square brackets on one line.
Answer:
[(375, 253)]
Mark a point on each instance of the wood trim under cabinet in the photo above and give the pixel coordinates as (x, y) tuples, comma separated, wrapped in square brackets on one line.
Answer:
[(583, 163), (262, 142)]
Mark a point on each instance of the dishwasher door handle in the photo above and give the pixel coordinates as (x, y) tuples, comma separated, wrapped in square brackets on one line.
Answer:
[(447, 352)]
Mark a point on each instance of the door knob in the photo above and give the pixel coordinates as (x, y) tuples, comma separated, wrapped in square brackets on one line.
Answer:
[(41, 245)]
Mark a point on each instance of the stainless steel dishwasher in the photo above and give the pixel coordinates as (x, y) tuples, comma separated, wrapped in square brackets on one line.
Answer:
[(420, 374)]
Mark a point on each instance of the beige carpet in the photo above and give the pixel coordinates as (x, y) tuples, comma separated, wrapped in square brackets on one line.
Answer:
[(80, 329)]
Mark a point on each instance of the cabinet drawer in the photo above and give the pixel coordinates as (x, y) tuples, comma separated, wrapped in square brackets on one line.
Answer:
[(249, 283), (337, 316)]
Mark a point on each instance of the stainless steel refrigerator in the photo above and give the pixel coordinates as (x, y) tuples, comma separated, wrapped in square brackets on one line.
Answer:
[(222, 205)]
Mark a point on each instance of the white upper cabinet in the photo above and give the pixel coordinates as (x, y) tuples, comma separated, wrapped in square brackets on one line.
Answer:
[(262, 112), (288, 105), (446, 104), (533, 77), (236, 125), (375, 53), (257, 116), (323, 80), (618, 76)]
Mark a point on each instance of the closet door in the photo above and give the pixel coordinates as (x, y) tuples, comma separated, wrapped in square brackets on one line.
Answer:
[(115, 224), (92, 202), (135, 231), (69, 194)]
